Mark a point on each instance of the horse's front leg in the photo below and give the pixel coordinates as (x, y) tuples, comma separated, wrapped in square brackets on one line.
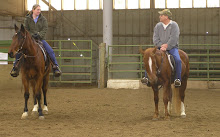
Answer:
[(167, 95), (35, 109), (26, 97), (156, 100)]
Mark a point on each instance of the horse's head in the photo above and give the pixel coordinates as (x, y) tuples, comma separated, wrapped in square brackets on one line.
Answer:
[(150, 62), (18, 41)]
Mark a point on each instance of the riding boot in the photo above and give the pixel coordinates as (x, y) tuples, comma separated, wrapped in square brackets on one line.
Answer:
[(56, 71)]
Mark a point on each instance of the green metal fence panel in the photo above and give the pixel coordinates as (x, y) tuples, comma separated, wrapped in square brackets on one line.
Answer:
[(4, 45), (202, 72)]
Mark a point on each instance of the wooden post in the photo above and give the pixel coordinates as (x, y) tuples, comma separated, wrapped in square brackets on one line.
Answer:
[(102, 68)]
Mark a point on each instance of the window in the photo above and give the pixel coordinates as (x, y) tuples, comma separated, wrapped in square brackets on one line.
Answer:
[(93, 4), (213, 3), (119, 4), (144, 4), (30, 4), (133, 4), (81, 4), (43, 6), (160, 4), (68, 4), (185, 3), (199, 3), (56, 4), (172, 3)]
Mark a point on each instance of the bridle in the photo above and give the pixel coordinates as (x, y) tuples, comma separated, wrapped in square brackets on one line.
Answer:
[(20, 50), (161, 65), (158, 69), (21, 47)]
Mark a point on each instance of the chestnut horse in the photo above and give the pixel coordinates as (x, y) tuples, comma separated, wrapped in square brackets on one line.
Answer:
[(33, 69), (160, 73)]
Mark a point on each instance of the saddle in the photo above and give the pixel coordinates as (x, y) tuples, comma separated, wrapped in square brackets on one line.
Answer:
[(172, 65), (43, 50)]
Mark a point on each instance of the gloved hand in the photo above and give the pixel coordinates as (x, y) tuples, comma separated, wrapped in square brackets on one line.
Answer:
[(36, 36)]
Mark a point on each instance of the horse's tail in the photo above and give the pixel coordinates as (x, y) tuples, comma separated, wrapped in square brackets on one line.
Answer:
[(141, 50), (176, 100)]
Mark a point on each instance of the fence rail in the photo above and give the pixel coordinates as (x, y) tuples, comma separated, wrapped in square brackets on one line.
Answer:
[(204, 61), (59, 48)]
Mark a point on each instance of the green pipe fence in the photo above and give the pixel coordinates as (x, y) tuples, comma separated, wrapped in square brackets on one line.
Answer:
[(204, 61), (61, 50)]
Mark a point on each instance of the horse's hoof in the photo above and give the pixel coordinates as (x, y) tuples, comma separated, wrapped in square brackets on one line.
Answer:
[(45, 109), (167, 118), (35, 113), (24, 115), (41, 117), (45, 112), (183, 116), (155, 119)]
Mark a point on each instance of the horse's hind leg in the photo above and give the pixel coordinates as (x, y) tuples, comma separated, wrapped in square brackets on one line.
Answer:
[(26, 97), (44, 88), (182, 96), (38, 96)]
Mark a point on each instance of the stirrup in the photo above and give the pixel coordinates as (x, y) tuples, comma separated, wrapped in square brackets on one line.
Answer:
[(146, 81), (177, 83)]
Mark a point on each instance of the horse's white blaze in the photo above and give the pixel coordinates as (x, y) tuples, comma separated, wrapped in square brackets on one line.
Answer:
[(24, 115), (35, 107), (182, 109), (45, 108), (150, 64)]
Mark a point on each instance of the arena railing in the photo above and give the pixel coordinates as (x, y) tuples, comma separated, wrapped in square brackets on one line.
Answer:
[(204, 61), (59, 48)]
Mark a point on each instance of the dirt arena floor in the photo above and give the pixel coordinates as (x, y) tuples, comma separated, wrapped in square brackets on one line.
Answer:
[(92, 112)]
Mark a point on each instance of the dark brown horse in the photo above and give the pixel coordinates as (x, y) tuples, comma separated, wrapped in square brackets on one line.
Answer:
[(160, 73), (33, 69)]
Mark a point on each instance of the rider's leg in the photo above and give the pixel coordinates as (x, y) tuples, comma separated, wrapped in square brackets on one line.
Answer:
[(56, 69), (175, 53)]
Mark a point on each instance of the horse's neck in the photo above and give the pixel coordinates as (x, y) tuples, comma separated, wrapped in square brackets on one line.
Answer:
[(160, 56), (30, 47)]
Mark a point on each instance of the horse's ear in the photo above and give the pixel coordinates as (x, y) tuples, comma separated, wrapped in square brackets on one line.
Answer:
[(22, 28), (141, 50), (16, 28), (154, 50)]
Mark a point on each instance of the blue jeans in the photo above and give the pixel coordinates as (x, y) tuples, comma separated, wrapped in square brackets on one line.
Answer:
[(175, 53), (47, 48)]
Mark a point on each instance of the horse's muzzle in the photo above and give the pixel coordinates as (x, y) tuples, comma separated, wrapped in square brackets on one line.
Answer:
[(11, 55)]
